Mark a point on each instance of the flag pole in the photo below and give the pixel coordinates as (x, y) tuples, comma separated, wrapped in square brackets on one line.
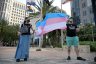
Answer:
[(26, 8), (62, 35), (41, 37), (92, 32)]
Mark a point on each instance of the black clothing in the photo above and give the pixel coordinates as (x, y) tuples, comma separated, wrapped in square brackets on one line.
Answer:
[(71, 30), (29, 26)]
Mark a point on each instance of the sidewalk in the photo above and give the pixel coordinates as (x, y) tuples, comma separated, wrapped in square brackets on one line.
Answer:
[(46, 56)]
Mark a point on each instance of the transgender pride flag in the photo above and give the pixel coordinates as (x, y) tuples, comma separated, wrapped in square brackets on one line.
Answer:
[(52, 21), (39, 27)]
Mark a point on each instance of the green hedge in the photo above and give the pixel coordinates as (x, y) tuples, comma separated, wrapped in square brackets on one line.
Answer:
[(85, 42), (92, 45)]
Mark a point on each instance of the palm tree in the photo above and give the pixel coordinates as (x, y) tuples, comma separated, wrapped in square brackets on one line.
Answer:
[(54, 35), (46, 8)]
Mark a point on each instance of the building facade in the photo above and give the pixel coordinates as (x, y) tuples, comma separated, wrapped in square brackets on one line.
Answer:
[(94, 9), (6, 9), (82, 11), (75, 9), (18, 13), (13, 11)]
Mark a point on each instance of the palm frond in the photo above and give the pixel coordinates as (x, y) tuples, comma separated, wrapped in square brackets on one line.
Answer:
[(46, 8)]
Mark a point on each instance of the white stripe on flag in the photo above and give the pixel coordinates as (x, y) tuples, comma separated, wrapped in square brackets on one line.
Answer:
[(54, 26)]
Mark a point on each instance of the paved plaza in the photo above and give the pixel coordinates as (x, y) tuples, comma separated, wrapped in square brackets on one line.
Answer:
[(46, 56)]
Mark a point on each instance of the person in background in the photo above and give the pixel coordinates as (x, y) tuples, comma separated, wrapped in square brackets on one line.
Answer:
[(72, 39), (22, 51)]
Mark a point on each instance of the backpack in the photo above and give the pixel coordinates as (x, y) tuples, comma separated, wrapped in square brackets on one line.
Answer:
[(24, 29)]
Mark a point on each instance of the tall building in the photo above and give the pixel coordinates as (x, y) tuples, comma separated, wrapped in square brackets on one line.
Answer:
[(18, 13), (94, 9), (12, 11), (6, 9), (82, 11), (75, 8)]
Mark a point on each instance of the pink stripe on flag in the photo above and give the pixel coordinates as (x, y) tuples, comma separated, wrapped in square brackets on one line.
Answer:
[(48, 28), (63, 28), (55, 20)]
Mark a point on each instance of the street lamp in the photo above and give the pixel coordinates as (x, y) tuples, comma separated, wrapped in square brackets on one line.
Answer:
[(92, 32)]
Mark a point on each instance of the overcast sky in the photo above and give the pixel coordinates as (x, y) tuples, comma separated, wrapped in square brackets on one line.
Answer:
[(65, 7)]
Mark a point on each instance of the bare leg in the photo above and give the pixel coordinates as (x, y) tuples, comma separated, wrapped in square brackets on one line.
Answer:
[(77, 53), (76, 50), (69, 50)]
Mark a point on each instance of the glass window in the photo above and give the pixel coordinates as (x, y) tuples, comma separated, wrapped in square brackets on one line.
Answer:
[(10, 22), (84, 5), (5, 7), (13, 4), (84, 13), (6, 0), (90, 10)]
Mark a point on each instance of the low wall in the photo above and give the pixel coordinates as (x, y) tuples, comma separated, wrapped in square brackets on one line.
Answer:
[(82, 48)]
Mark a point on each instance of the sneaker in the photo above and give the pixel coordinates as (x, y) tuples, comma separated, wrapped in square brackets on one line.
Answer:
[(94, 59), (17, 60), (25, 59), (68, 58), (80, 58)]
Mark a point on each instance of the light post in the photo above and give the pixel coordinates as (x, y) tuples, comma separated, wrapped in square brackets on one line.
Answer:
[(92, 32)]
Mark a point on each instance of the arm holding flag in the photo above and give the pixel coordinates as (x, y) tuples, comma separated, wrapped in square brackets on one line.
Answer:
[(65, 1)]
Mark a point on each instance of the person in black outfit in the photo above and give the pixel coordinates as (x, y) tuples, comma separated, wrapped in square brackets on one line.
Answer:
[(72, 39)]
